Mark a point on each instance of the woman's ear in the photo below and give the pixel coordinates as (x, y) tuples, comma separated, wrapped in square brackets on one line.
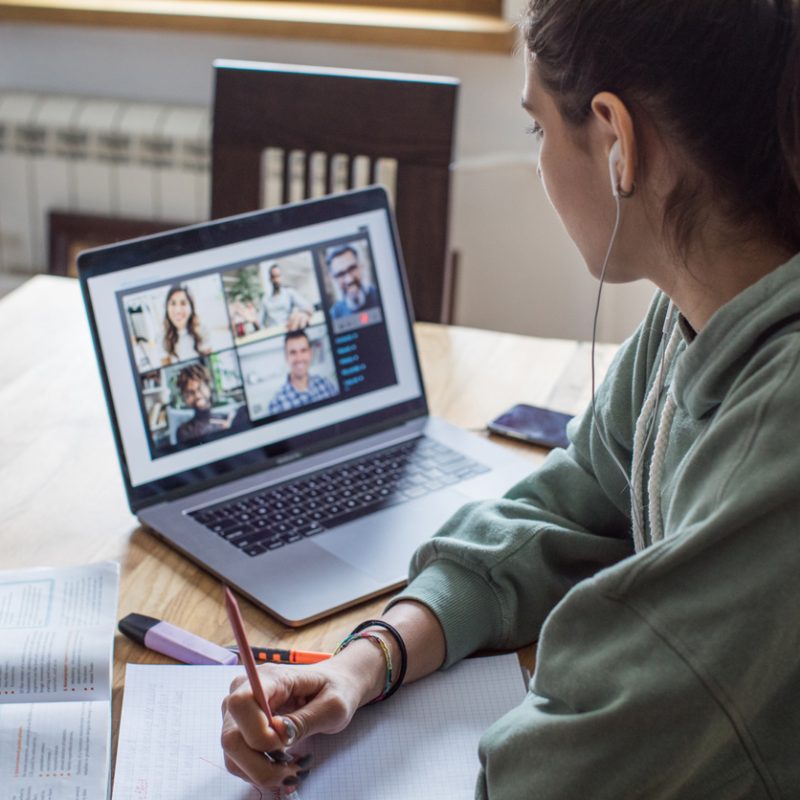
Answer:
[(616, 126)]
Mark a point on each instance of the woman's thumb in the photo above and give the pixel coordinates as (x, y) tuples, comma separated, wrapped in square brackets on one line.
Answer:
[(321, 715)]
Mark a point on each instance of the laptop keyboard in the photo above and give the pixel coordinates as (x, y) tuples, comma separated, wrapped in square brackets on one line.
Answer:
[(280, 515)]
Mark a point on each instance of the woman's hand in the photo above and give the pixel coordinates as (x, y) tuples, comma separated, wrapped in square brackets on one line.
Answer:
[(321, 698), (304, 700)]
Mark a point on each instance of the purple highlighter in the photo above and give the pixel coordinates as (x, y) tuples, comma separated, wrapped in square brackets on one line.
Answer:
[(174, 642)]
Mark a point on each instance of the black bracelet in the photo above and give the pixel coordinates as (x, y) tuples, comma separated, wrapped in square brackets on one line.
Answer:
[(401, 646)]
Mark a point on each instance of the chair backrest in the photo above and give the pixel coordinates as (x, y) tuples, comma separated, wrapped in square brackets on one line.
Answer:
[(318, 120)]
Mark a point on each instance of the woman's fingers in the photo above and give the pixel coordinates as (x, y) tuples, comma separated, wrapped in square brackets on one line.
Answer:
[(253, 766), (251, 721), (309, 699), (286, 690), (304, 701), (233, 768)]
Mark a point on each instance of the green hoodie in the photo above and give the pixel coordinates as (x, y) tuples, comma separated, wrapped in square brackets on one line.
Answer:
[(672, 672)]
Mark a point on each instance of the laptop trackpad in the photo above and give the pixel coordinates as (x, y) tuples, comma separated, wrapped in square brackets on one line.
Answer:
[(382, 544)]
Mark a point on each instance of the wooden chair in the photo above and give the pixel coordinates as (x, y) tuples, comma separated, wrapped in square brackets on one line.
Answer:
[(314, 116)]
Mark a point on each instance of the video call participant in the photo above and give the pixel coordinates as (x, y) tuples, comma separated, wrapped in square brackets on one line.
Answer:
[(194, 384), (301, 387), (283, 305), (183, 334), (355, 294)]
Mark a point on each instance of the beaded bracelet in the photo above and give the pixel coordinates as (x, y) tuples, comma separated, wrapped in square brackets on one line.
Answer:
[(387, 657), (401, 646)]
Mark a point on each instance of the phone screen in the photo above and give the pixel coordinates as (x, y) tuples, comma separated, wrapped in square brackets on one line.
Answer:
[(539, 426)]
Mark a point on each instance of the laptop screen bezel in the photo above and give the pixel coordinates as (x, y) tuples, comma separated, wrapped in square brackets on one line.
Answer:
[(215, 234)]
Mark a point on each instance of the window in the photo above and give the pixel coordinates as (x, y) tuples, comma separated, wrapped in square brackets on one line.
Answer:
[(493, 8), (456, 24)]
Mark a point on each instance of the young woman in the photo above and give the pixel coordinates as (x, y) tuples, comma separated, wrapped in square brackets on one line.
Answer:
[(656, 560), (183, 336)]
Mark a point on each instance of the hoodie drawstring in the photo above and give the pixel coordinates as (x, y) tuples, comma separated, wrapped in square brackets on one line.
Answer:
[(641, 435), (657, 470)]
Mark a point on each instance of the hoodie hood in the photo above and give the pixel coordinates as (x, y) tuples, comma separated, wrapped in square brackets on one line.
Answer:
[(708, 367)]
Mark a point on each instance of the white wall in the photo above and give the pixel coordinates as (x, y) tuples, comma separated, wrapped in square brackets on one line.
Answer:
[(518, 270)]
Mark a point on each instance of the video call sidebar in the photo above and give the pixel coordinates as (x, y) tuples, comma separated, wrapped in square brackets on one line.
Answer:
[(359, 343)]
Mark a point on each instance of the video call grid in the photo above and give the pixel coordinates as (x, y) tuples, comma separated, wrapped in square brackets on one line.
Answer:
[(213, 398)]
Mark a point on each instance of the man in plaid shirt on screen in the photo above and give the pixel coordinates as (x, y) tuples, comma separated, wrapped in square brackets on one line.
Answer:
[(300, 387)]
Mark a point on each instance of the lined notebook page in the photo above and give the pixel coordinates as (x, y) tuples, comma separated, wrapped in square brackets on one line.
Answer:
[(421, 743)]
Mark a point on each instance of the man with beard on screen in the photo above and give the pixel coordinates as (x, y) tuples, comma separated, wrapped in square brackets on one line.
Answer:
[(347, 271)]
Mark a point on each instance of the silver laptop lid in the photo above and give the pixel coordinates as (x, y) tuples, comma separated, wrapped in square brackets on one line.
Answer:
[(236, 345)]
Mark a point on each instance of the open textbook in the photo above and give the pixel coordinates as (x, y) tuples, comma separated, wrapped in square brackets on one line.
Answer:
[(56, 644), (422, 743)]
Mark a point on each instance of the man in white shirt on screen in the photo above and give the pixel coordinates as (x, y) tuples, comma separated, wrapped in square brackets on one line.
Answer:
[(283, 305)]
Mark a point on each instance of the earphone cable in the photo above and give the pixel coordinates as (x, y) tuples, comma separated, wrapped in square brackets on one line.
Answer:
[(594, 340), (635, 508)]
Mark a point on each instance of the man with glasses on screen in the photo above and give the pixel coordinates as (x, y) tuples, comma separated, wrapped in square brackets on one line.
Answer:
[(347, 271)]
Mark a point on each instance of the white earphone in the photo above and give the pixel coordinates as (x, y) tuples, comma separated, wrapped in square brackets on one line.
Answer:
[(616, 192), (613, 160)]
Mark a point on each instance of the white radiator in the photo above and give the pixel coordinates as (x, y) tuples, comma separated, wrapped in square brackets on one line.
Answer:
[(95, 156), (118, 158)]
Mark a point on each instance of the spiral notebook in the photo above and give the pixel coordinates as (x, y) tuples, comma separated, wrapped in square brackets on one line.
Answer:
[(421, 743)]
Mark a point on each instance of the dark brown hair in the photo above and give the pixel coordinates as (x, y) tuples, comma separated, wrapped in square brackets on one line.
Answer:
[(192, 324), (192, 372), (298, 334), (719, 78)]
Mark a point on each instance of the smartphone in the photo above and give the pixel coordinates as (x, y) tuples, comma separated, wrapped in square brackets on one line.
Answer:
[(539, 426)]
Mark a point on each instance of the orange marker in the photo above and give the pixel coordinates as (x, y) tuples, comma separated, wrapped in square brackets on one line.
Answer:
[(277, 655)]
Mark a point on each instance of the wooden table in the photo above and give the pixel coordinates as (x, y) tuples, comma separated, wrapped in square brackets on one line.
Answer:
[(62, 500)]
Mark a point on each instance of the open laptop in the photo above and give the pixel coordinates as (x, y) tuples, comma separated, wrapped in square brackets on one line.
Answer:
[(267, 403)]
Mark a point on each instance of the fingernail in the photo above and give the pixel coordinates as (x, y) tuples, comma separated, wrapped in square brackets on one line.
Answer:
[(303, 774), (292, 780), (305, 760), (280, 757), (291, 731)]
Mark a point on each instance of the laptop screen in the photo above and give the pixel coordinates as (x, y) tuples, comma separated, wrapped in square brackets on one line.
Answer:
[(243, 342)]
